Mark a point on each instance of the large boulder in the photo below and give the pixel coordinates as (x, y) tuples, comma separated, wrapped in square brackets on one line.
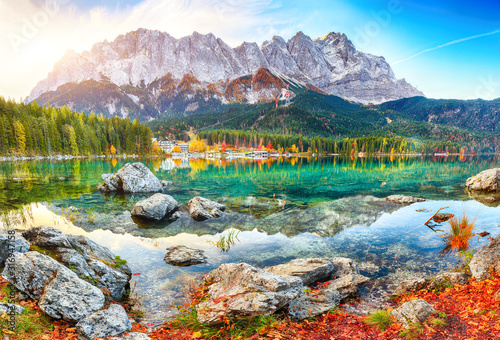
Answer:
[(314, 303), (310, 270), (487, 180), (11, 242), (402, 199), (132, 178), (202, 209), (415, 311), (243, 291), (183, 256), (104, 323), (89, 260), (68, 297), (60, 292), (155, 207), (31, 272), (486, 258)]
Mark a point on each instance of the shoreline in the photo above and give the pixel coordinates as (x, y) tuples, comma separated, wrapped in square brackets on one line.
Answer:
[(202, 156)]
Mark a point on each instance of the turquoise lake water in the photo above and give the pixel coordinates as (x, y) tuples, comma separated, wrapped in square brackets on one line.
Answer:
[(284, 209)]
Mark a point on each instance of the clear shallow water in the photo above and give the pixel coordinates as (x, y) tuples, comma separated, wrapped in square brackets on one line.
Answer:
[(321, 208)]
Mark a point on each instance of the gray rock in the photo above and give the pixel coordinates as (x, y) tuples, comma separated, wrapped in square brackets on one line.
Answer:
[(415, 311), (155, 207), (314, 303), (202, 209), (347, 285), (92, 250), (131, 336), (89, 260), (344, 266), (11, 308), (242, 291), (184, 256), (108, 322), (112, 182), (96, 272), (448, 280), (31, 272), (410, 286), (310, 271), (70, 298), (47, 238), (402, 199), (138, 178), (487, 180), (11, 242), (131, 178), (486, 258)]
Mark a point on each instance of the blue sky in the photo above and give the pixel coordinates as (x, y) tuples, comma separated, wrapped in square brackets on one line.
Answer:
[(448, 49)]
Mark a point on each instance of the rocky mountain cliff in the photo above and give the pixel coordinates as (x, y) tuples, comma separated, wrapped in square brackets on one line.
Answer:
[(147, 72)]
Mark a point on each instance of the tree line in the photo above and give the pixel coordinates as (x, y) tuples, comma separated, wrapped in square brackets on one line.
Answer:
[(28, 129), (299, 143)]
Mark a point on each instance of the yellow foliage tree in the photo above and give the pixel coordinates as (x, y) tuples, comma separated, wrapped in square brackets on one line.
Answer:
[(176, 148), (197, 145), (112, 149)]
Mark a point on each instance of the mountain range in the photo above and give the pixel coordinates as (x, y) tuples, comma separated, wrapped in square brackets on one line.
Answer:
[(146, 73)]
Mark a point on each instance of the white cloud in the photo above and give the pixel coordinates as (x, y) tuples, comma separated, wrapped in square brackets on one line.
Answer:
[(36, 35)]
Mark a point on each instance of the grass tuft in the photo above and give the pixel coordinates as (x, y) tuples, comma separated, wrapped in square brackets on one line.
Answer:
[(380, 318)]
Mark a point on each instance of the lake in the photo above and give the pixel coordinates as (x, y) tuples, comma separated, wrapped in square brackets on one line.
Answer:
[(283, 208)]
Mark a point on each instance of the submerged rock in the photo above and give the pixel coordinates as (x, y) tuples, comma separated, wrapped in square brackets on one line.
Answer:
[(415, 311), (184, 256), (243, 291), (402, 199), (131, 178), (155, 207), (310, 271), (487, 180), (486, 258), (104, 323), (11, 242), (328, 218), (202, 209)]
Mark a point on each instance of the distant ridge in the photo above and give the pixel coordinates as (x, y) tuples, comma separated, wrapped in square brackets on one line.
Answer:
[(148, 72)]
